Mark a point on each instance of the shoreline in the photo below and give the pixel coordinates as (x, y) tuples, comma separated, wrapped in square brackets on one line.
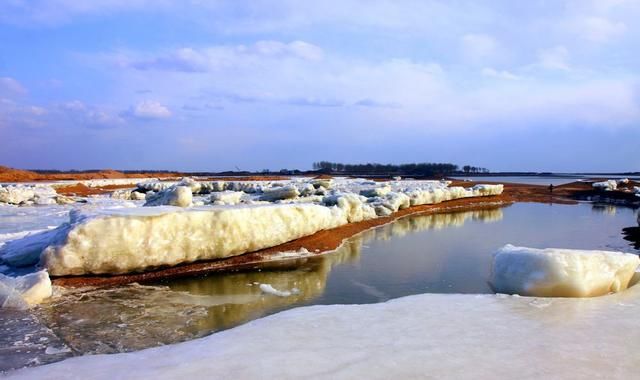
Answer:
[(320, 243), (326, 241)]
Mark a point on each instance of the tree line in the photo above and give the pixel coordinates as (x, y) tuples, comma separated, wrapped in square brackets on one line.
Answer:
[(414, 169)]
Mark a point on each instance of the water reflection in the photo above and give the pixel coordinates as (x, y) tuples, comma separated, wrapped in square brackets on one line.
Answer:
[(139, 316)]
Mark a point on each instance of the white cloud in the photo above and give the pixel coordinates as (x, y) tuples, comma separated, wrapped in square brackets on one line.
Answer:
[(555, 58), (149, 109), (501, 74), (219, 57), (598, 29), (10, 86), (479, 47), (87, 115)]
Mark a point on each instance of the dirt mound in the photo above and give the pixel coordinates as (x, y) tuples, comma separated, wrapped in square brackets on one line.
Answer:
[(15, 175)]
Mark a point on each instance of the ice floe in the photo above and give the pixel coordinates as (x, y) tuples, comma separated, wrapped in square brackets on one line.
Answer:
[(556, 272), (24, 291), (19, 194), (129, 240), (180, 196)]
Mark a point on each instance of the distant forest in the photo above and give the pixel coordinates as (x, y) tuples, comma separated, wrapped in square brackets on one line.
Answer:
[(415, 169)]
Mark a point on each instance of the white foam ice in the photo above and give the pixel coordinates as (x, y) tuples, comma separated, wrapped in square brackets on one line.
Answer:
[(554, 272)]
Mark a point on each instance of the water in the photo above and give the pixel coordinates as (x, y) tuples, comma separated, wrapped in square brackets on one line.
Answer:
[(538, 180), (445, 253)]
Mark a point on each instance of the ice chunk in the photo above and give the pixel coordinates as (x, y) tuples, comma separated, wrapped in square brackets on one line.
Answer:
[(180, 196), (226, 197), (27, 194), (354, 206), (267, 288), (556, 272), (486, 190), (191, 183), (277, 193), (128, 194), (129, 240), (27, 290), (326, 183), (608, 185), (378, 191), (155, 186)]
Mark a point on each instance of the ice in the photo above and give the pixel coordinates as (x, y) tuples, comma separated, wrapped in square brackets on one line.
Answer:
[(430, 335), (378, 191), (354, 206), (180, 196), (153, 185), (30, 194), (226, 197), (128, 194), (278, 193), (267, 288), (26, 250), (23, 291), (556, 272), (129, 240), (51, 350), (608, 185)]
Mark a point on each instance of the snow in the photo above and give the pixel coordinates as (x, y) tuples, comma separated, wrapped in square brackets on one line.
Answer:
[(136, 239), (554, 272), (180, 196), (429, 335), (23, 291)]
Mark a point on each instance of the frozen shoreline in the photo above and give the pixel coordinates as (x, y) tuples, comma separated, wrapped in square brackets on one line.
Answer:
[(177, 235), (452, 336)]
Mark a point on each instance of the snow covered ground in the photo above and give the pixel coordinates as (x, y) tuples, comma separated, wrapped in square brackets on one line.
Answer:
[(206, 220), (423, 336)]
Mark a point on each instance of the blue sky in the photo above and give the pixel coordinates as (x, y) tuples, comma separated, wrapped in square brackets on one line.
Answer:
[(214, 85)]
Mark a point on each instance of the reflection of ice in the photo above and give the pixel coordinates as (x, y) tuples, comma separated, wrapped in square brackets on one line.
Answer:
[(604, 208), (136, 317), (412, 224)]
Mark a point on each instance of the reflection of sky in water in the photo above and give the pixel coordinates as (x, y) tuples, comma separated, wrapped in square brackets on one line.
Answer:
[(434, 253)]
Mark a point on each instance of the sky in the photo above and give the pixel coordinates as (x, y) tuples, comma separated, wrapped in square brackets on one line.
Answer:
[(539, 85)]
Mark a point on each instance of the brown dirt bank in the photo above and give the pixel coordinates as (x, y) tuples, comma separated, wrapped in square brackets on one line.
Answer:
[(15, 175), (81, 190)]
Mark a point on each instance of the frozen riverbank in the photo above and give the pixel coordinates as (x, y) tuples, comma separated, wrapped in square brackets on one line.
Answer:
[(134, 239), (452, 336)]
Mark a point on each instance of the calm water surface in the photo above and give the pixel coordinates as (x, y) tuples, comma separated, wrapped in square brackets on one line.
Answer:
[(538, 180), (445, 253)]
